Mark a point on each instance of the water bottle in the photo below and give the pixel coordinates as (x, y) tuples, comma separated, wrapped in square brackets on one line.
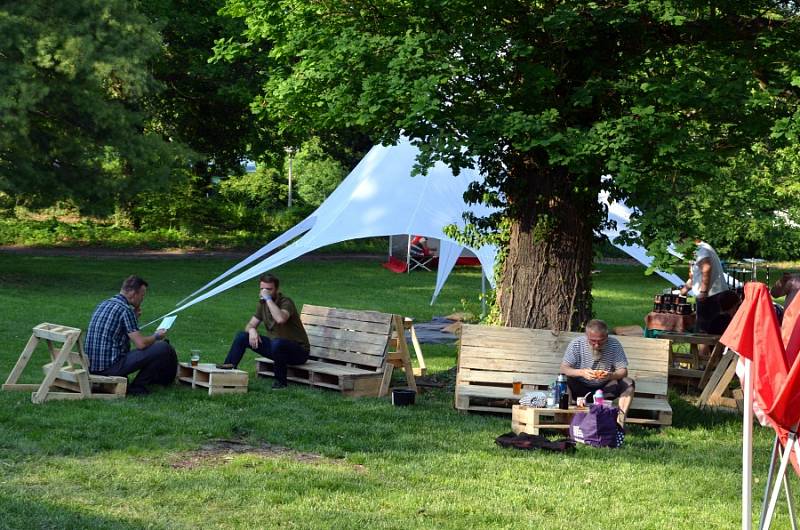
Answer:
[(551, 392), (598, 397), (556, 393), (563, 394)]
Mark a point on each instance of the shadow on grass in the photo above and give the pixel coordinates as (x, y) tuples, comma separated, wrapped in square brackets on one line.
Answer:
[(20, 513), (303, 419), (686, 415)]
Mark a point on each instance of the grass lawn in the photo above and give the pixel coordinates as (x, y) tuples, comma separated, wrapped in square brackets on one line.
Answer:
[(302, 458)]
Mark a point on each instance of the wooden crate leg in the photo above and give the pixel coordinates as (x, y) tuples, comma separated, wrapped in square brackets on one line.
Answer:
[(22, 361), (536, 420), (402, 352), (720, 378), (418, 351), (41, 395), (387, 379)]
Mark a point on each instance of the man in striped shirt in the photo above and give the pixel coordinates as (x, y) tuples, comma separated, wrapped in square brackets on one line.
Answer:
[(597, 361)]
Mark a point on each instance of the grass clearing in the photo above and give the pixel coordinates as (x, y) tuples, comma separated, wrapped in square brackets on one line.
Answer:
[(303, 458)]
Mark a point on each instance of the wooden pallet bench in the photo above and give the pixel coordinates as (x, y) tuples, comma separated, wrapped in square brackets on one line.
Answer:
[(350, 351), (491, 358)]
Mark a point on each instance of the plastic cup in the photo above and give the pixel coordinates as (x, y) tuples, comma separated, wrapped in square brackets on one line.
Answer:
[(195, 359), (516, 387)]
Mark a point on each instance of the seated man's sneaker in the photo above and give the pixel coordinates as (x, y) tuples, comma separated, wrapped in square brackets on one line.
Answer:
[(278, 384)]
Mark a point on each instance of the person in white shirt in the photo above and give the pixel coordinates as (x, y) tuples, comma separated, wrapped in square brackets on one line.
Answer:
[(707, 282)]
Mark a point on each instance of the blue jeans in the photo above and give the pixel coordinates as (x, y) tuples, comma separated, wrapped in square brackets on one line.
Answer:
[(283, 352), (157, 364)]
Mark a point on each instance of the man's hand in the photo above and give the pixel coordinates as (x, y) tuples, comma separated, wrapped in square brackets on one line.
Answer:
[(255, 339), (160, 334), (265, 295), (589, 374)]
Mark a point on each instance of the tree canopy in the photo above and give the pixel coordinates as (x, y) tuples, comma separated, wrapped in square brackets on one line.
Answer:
[(690, 107), (73, 76)]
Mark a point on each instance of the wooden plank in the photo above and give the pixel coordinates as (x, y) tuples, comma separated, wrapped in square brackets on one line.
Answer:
[(371, 361), (41, 395), (720, 373), (353, 345), (20, 386), (227, 379), (218, 390), (378, 328), (347, 314), (345, 334), (22, 362), (60, 334)]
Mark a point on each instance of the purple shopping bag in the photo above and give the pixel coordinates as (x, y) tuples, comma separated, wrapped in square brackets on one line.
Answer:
[(596, 427)]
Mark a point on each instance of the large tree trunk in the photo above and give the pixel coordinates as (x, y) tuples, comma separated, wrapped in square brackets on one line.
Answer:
[(546, 283)]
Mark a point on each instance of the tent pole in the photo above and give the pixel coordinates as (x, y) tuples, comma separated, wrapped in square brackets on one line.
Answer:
[(770, 476), (483, 294), (747, 449), (390, 246), (776, 490), (408, 255), (789, 503)]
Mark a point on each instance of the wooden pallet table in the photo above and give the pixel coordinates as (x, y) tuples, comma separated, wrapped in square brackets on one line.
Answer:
[(687, 367), (530, 419), (216, 380)]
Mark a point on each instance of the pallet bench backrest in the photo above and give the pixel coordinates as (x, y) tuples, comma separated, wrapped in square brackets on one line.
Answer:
[(340, 336), (494, 355)]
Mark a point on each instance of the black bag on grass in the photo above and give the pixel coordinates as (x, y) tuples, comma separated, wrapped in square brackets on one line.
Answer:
[(534, 441)]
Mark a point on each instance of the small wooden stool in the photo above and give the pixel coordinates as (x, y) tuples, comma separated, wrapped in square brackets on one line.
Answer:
[(216, 380)]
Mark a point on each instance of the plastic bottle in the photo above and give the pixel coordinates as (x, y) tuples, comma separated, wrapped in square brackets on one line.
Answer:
[(598, 397), (551, 392)]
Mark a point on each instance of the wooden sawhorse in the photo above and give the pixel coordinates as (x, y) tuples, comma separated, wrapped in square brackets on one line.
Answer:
[(67, 375)]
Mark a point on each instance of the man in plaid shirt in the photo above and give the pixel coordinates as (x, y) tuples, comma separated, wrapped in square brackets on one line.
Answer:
[(114, 326)]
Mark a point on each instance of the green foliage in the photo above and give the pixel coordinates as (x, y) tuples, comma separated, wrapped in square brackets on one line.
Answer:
[(691, 108), (263, 189), (73, 78), (317, 174)]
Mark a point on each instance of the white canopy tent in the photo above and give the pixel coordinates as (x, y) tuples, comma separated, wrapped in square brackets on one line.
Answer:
[(379, 198)]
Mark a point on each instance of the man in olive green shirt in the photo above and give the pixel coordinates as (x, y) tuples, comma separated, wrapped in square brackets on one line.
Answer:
[(286, 341)]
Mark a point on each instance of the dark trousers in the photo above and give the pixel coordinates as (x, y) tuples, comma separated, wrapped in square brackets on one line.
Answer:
[(611, 390), (283, 352), (706, 311), (157, 364)]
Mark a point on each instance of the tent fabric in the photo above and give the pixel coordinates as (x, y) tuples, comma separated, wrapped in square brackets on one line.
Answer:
[(379, 198), (755, 335)]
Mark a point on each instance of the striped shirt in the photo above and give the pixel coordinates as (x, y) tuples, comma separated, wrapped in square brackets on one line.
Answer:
[(107, 338), (579, 355)]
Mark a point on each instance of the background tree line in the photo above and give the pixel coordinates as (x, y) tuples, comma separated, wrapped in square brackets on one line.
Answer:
[(112, 108)]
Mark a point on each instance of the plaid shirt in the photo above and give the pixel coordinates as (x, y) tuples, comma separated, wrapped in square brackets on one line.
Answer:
[(107, 338)]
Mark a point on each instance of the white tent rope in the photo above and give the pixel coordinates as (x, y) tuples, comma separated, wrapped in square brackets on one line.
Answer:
[(287, 236)]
